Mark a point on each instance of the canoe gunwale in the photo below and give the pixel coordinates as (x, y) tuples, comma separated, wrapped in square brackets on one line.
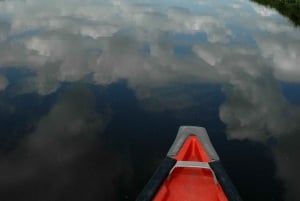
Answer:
[(161, 173)]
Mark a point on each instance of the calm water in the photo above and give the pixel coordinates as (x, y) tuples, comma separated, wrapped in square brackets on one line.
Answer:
[(92, 94)]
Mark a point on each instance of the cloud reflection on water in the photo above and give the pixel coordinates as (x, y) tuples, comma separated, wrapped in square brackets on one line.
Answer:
[(3, 82), (64, 158)]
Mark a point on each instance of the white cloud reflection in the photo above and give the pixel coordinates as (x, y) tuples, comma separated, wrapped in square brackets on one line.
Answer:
[(263, 11), (3, 82), (255, 105), (125, 40), (284, 53), (94, 38)]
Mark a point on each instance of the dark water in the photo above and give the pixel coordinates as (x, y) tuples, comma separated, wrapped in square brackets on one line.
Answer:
[(289, 9), (92, 94)]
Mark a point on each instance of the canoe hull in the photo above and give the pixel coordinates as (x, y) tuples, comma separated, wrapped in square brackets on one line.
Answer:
[(191, 171)]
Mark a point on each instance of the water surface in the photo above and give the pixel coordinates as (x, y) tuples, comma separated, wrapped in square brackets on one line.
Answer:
[(92, 94)]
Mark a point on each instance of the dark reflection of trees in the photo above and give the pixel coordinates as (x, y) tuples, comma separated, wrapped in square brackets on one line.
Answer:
[(288, 8)]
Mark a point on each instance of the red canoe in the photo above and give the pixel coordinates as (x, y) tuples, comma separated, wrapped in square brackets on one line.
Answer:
[(191, 171)]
